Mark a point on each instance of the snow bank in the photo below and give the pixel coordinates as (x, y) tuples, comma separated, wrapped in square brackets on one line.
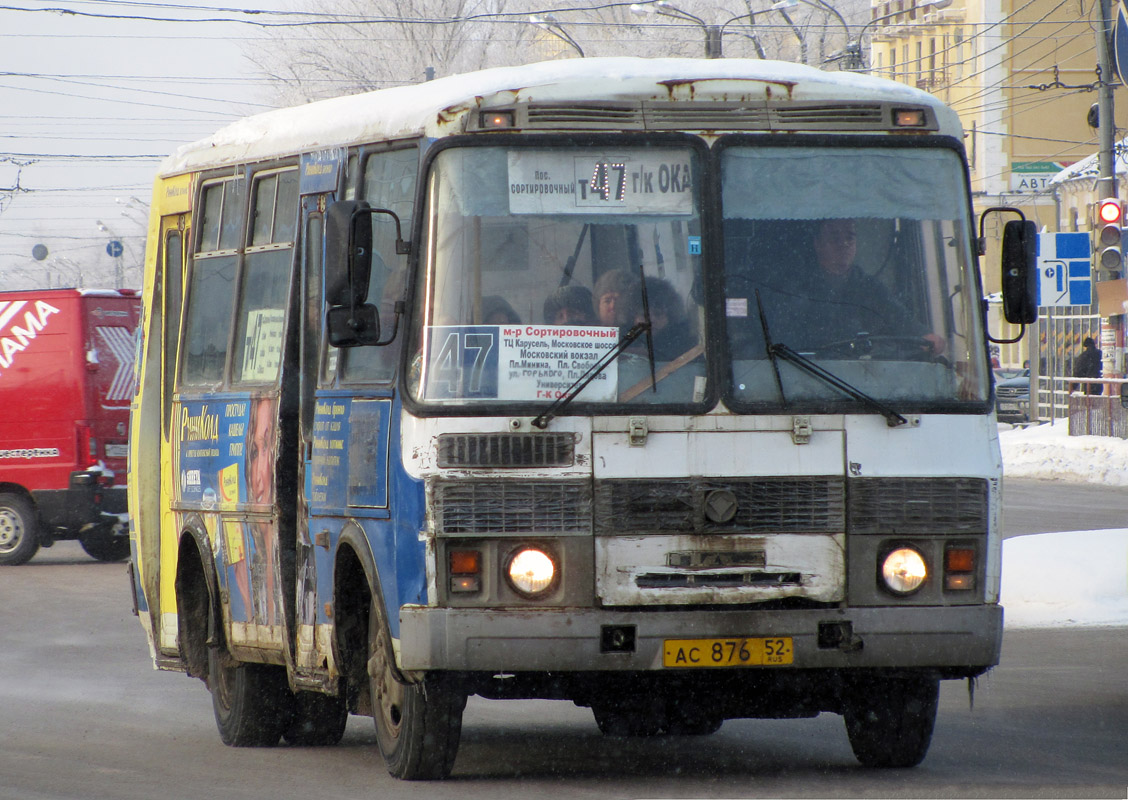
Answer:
[(1077, 578), (1048, 452)]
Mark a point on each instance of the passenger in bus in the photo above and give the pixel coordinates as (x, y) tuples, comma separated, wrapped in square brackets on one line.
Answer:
[(611, 293), (844, 301), (497, 311), (569, 305), (671, 327)]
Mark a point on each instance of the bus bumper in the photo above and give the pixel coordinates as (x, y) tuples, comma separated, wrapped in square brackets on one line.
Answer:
[(961, 640)]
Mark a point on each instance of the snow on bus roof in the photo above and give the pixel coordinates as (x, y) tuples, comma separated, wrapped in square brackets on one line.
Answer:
[(416, 109)]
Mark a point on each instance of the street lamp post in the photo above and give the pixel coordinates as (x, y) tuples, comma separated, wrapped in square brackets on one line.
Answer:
[(713, 33), (549, 23), (853, 54)]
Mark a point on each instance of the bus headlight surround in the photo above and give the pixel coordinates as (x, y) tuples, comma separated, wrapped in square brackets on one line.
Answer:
[(904, 570), (531, 571)]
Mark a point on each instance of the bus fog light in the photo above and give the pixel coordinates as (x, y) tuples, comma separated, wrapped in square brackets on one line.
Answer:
[(531, 571), (904, 570)]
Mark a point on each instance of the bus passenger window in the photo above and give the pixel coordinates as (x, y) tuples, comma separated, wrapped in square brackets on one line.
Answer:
[(265, 281), (212, 282)]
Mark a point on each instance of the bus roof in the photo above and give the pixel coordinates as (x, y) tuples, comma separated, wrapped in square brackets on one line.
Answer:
[(428, 109)]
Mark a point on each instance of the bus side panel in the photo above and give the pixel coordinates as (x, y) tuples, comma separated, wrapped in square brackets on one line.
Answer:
[(357, 478)]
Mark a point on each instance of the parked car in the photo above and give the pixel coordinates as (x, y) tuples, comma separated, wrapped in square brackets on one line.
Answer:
[(1012, 396)]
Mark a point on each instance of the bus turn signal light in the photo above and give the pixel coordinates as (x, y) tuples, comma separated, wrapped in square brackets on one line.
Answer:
[(465, 570), (959, 568)]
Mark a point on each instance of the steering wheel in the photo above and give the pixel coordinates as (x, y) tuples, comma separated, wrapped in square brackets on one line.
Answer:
[(879, 347)]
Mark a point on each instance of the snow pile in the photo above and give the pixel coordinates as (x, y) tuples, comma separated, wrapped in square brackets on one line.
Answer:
[(1071, 578), (1048, 452), (1055, 580)]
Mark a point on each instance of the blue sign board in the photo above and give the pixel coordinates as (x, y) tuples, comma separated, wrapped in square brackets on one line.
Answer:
[(114, 248), (1064, 269)]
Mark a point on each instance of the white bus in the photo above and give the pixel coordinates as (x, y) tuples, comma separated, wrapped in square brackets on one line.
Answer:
[(660, 386)]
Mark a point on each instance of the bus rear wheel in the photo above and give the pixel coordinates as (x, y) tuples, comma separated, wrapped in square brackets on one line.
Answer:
[(18, 537), (253, 704), (418, 725), (889, 720)]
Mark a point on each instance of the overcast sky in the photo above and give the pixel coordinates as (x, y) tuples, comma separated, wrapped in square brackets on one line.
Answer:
[(91, 105)]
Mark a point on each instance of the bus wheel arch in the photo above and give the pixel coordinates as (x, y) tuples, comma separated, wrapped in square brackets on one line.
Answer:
[(199, 619), (418, 723)]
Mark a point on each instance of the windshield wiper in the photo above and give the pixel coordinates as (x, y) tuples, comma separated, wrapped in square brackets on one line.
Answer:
[(777, 351), (541, 420)]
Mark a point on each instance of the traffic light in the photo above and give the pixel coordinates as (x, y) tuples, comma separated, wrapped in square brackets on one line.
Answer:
[(1110, 216)]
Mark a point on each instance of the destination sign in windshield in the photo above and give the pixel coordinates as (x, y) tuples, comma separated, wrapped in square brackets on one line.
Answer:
[(621, 182)]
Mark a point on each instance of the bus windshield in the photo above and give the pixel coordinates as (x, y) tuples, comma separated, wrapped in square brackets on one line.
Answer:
[(857, 260), (535, 265)]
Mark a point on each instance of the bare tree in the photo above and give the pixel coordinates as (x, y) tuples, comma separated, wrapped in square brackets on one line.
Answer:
[(369, 44)]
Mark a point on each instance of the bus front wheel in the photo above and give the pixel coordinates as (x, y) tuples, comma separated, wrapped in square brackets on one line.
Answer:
[(418, 725), (889, 720)]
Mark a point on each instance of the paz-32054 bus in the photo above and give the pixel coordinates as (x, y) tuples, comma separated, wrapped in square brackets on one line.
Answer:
[(657, 386)]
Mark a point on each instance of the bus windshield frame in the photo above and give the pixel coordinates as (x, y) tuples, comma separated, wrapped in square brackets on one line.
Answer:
[(937, 366), (517, 344), (891, 305)]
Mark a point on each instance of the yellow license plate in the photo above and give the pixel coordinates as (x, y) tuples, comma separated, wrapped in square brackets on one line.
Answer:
[(760, 652)]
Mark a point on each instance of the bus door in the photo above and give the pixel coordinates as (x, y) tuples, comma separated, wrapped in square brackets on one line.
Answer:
[(233, 423), (152, 471), (320, 176), (349, 410)]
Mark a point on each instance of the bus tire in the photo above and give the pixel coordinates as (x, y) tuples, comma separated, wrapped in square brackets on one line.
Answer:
[(889, 720), (253, 704), (19, 538), (418, 725), (637, 716), (104, 546), (318, 720)]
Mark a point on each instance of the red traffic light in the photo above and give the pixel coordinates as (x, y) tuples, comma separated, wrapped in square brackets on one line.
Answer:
[(1110, 212)]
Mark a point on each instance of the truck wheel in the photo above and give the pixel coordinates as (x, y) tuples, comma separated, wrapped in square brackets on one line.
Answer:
[(105, 546), (418, 725), (318, 720), (253, 704), (889, 720), (18, 538)]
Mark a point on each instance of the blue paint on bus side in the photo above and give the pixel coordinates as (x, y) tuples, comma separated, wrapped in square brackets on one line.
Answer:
[(357, 477)]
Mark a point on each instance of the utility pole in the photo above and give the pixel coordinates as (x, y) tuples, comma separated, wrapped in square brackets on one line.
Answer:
[(1107, 120), (1106, 162)]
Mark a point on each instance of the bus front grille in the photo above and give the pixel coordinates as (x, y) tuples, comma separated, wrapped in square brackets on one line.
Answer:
[(762, 505), (918, 505), (506, 450), (470, 508)]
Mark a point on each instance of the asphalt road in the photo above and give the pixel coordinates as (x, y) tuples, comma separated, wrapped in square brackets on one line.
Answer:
[(83, 715), (1043, 506)]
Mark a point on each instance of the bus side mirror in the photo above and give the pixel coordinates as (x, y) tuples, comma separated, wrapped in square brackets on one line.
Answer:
[(1020, 272), (348, 252), (353, 326), (1124, 395)]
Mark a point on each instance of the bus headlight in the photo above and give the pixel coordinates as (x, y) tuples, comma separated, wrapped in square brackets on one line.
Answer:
[(904, 570), (531, 571)]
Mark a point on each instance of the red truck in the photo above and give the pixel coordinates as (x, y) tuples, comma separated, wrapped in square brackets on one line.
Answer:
[(66, 383)]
